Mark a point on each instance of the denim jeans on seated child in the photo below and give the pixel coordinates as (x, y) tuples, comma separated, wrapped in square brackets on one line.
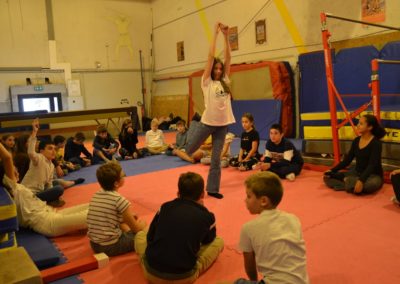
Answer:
[(51, 194)]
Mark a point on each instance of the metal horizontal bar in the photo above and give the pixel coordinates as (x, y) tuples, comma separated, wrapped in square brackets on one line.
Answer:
[(389, 61), (361, 22)]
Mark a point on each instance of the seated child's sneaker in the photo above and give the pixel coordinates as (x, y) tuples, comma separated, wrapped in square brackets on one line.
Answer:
[(256, 166), (291, 177), (395, 201), (242, 168)]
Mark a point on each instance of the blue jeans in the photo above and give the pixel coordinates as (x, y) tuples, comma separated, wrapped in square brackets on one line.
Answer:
[(197, 134), (51, 194)]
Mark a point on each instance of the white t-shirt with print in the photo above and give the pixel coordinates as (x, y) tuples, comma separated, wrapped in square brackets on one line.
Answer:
[(217, 103)]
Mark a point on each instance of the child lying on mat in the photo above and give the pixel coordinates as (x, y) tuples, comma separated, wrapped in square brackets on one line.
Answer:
[(111, 224), (34, 213), (181, 243), (272, 244)]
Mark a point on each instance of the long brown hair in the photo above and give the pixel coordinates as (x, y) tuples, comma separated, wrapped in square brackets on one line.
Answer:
[(223, 83), (124, 127)]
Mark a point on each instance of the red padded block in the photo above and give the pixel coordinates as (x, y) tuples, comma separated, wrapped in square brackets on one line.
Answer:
[(68, 269)]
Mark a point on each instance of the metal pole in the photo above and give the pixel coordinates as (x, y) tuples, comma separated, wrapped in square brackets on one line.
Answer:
[(143, 108), (375, 89), (329, 78), (388, 61), (361, 22)]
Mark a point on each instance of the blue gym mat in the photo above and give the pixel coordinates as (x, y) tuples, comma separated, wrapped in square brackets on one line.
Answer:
[(158, 163), (133, 167)]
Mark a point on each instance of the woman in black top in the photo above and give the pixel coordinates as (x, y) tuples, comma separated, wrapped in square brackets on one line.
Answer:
[(367, 176)]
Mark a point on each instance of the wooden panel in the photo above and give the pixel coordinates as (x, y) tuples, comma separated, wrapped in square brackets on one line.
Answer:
[(20, 119), (178, 105)]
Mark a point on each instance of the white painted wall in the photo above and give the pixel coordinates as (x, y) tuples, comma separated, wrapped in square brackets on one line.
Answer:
[(179, 20), (23, 34), (85, 35)]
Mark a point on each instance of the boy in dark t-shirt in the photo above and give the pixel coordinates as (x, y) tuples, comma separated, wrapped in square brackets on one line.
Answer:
[(281, 156), (105, 147), (181, 242), (74, 147)]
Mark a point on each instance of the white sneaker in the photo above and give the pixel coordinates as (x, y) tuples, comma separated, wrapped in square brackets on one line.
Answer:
[(291, 177), (395, 201)]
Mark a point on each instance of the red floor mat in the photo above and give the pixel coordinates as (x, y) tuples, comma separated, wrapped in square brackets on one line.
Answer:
[(349, 239)]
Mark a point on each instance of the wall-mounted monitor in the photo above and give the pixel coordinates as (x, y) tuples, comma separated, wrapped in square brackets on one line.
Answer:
[(50, 102), (51, 97)]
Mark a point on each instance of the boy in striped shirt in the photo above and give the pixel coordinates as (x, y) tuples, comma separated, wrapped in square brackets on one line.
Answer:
[(111, 224)]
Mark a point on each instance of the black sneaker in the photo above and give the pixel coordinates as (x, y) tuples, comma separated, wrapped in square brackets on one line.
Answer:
[(215, 195), (79, 181)]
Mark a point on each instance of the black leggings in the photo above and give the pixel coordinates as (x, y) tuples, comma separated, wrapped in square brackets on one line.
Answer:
[(234, 162), (283, 171), (347, 181)]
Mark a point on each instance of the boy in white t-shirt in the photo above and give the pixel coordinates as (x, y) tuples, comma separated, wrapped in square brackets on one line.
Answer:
[(272, 244), (155, 142)]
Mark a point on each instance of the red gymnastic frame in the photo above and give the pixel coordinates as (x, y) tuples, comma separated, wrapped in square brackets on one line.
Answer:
[(333, 92)]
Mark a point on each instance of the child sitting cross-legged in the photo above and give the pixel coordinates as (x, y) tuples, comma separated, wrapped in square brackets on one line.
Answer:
[(111, 223), (74, 148), (181, 243), (181, 138), (272, 243), (155, 142), (105, 147), (281, 156)]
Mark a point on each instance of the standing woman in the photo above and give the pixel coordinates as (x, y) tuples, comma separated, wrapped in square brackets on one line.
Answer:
[(217, 113), (367, 177)]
